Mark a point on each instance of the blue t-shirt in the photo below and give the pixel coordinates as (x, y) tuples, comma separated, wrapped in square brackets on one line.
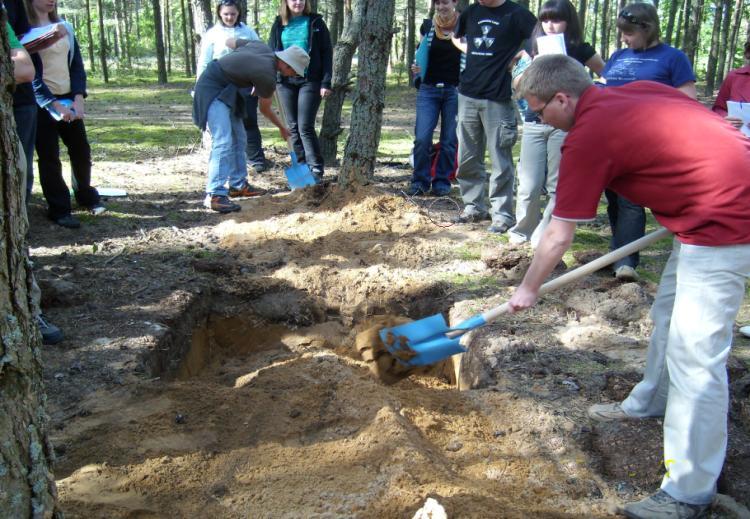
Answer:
[(297, 32), (662, 63)]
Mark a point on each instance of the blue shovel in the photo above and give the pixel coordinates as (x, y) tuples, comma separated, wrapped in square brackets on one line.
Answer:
[(298, 175), (431, 340)]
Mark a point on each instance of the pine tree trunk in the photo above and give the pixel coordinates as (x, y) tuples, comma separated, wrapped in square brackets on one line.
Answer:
[(27, 487), (337, 20), (604, 49), (185, 40), (738, 8), (340, 85), (595, 26), (159, 37), (92, 66), (673, 7), (102, 42), (692, 31), (167, 28), (410, 36), (193, 39), (367, 108), (582, 6), (713, 53)]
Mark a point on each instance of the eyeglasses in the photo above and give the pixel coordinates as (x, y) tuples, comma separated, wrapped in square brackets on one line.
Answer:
[(631, 18), (540, 113)]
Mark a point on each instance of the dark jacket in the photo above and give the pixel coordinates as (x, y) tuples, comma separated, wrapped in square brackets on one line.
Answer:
[(321, 50), (24, 94)]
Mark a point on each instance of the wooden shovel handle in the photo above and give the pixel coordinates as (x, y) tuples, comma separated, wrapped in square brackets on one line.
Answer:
[(585, 270)]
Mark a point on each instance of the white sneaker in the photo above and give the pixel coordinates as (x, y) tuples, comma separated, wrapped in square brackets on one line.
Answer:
[(607, 412), (745, 330), (626, 273)]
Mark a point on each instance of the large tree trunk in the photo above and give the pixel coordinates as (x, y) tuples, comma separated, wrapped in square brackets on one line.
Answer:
[(159, 37), (92, 66), (367, 109), (713, 53), (410, 36), (692, 31), (604, 50), (27, 488), (340, 85), (185, 40), (102, 42), (674, 5), (582, 16), (202, 15)]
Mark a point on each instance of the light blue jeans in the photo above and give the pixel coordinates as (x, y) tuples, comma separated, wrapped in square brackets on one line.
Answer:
[(699, 295), (226, 163), (484, 124), (537, 169)]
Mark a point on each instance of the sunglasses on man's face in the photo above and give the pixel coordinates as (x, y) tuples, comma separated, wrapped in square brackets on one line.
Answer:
[(631, 18)]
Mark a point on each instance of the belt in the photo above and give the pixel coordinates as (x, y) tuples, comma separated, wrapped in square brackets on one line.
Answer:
[(439, 85)]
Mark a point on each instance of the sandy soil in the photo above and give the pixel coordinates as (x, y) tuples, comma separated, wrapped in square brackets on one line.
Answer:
[(210, 370)]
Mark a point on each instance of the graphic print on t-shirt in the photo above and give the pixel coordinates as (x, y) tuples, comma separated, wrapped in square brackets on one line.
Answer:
[(484, 38)]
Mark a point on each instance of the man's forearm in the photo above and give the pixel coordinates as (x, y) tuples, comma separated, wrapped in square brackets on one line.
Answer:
[(555, 241)]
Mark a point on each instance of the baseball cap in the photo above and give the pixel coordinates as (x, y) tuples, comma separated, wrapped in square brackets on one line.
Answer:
[(296, 58)]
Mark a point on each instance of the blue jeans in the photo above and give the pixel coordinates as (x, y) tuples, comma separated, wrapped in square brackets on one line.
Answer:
[(434, 102), (628, 223), (254, 149), (226, 163)]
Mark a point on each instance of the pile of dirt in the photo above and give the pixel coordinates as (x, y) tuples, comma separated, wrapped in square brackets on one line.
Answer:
[(210, 365)]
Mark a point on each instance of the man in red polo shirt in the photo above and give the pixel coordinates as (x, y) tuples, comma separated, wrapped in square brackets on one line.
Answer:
[(660, 149)]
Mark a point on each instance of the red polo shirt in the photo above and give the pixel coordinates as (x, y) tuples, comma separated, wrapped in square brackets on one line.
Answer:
[(660, 149)]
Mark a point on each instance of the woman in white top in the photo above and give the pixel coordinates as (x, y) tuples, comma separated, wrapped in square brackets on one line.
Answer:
[(214, 46)]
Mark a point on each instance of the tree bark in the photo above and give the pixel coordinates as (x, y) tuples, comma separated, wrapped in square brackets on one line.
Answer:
[(193, 38), (185, 40), (738, 8), (726, 20), (92, 66), (411, 36), (673, 7), (159, 37), (713, 53), (582, 6), (102, 42), (27, 487), (692, 32), (167, 31), (604, 49), (361, 148), (340, 85), (337, 20), (595, 25)]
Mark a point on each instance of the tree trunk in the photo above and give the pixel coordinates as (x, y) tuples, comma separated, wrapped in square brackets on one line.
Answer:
[(102, 42), (738, 8), (256, 14), (673, 6), (337, 20), (595, 25), (159, 37), (138, 20), (193, 38), (185, 40), (618, 33), (27, 487), (713, 53), (367, 108), (679, 29), (330, 128), (92, 66), (167, 31), (202, 15), (604, 49), (410, 36), (692, 29), (582, 16), (726, 20)]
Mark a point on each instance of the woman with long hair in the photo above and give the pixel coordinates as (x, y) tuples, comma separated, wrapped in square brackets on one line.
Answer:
[(540, 142), (60, 93), (437, 68), (296, 24), (644, 58), (214, 46)]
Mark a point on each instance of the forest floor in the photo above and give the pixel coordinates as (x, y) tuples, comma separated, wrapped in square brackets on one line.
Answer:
[(209, 367)]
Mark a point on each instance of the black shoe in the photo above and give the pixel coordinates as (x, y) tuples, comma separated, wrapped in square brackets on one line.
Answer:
[(499, 227), (51, 334), (442, 191), (471, 217), (416, 191), (69, 221)]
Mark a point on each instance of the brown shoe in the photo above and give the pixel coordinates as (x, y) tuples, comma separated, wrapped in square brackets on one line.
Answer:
[(246, 190), (220, 204)]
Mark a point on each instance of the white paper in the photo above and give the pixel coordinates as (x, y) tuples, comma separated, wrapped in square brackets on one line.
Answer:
[(741, 111), (551, 44)]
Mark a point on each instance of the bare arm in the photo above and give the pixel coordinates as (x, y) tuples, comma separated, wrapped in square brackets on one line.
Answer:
[(595, 64), (23, 68), (460, 44), (555, 241), (689, 89), (264, 104)]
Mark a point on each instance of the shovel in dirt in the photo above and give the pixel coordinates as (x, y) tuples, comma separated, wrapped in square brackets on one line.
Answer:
[(430, 340), (298, 175)]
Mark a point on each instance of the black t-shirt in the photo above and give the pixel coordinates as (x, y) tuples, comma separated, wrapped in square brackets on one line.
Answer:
[(493, 36), (581, 53), (444, 61)]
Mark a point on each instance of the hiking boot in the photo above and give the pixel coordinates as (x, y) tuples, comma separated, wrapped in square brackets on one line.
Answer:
[(246, 191), (220, 204), (51, 334), (471, 216), (662, 505), (607, 412), (68, 221), (626, 273), (498, 227)]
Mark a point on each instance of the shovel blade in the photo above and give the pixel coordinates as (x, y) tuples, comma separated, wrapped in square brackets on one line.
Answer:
[(299, 175), (424, 338)]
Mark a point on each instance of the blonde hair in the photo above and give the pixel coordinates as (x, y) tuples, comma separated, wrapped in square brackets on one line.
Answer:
[(34, 18), (285, 14), (547, 75)]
